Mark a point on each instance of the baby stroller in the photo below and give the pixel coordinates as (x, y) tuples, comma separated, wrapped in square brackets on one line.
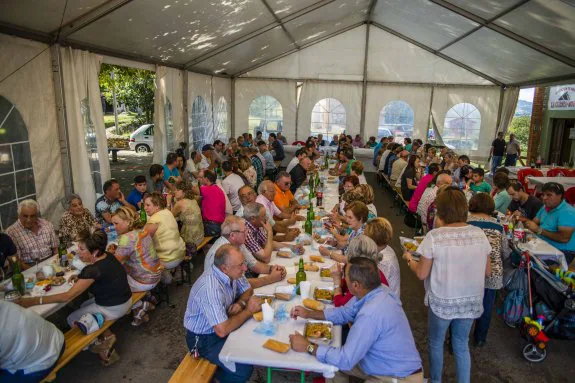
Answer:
[(549, 291)]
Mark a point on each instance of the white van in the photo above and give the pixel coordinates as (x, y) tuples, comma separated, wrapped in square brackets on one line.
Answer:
[(142, 140)]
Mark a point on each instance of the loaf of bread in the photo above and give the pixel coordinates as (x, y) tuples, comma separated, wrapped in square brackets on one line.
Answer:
[(282, 297), (291, 281), (276, 346), (310, 267), (284, 254), (316, 258), (312, 304), (259, 316)]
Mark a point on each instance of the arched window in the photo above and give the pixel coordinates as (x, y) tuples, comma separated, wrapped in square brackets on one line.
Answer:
[(91, 145), (395, 119), (328, 117), (461, 127), (266, 115), (221, 120), (200, 123), (16, 173)]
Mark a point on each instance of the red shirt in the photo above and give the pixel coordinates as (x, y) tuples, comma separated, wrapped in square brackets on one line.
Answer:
[(345, 296), (213, 203)]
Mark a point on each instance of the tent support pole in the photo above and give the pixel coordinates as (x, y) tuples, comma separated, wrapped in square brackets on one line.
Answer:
[(233, 107), (61, 119), (296, 111), (364, 87), (499, 110), (185, 112), (429, 114)]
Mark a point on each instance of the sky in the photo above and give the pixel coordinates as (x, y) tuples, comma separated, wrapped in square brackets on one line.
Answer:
[(527, 94)]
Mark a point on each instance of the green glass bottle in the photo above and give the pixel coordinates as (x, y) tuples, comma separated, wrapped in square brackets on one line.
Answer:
[(300, 276), (143, 216), (308, 225), (18, 279), (310, 212), (311, 187), (62, 253), (326, 162)]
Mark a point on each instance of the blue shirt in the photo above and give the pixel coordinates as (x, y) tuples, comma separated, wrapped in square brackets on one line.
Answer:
[(169, 173), (210, 297), (105, 206), (562, 215), (270, 165), (380, 340), (134, 198), (376, 149)]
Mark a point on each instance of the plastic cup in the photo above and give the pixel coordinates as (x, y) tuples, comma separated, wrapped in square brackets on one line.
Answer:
[(304, 288)]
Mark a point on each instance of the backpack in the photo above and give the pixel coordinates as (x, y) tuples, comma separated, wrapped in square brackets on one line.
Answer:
[(515, 305)]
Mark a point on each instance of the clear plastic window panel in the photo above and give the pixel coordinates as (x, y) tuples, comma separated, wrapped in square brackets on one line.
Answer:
[(461, 128), (395, 119), (200, 123), (169, 123), (328, 117), (221, 120), (91, 145), (16, 173), (266, 116)]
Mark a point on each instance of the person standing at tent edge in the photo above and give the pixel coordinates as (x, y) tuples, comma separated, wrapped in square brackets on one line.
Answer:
[(513, 151)]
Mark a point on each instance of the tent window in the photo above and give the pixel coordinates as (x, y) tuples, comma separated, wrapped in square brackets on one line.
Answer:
[(91, 145), (395, 119), (328, 117), (16, 173), (221, 121), (266, 115), (461, 127), (200, 122)]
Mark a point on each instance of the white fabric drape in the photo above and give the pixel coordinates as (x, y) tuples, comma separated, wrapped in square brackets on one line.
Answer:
[(282, 90), (349, 94), (510, 97), (200, 92), (85, 122), (222, 108), (168, 112)]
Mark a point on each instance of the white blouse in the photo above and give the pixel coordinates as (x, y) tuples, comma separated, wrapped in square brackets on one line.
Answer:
[(389, 266)]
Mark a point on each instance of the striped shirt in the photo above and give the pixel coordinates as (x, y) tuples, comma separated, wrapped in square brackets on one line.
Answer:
[(210, 297)]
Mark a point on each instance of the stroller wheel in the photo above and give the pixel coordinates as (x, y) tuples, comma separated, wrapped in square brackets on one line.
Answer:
[(534, 354)]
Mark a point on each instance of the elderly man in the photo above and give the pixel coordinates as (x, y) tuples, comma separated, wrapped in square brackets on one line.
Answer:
[(259, 235), (284, 199), (299, 154), (430, 193), (512, 151), (267, 192), (220, 301), (380, 345), (112, 200), (231, 185), (555, 222), (207, 162), (234, 232), (34, 237), (398, 166), (193, 165), (299, 173)]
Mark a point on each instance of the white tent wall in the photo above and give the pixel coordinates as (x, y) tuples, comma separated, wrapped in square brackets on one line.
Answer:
[(168, 112), (349, 94), (200, 85), (282, 90), (485, 99), (26, 81), (222, 90), (418, 98)]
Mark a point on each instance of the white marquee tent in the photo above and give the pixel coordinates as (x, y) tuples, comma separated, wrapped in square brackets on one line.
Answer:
[(213, 58)]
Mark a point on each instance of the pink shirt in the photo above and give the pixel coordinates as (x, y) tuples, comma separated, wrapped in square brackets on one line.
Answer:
[(213, 203), (425, 180)]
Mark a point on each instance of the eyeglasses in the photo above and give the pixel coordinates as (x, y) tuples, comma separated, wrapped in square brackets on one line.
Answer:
[(239, 231)]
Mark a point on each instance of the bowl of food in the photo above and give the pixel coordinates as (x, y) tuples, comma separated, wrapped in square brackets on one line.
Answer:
[(319, 331), (325, 274), (324, 294), (411, 246)]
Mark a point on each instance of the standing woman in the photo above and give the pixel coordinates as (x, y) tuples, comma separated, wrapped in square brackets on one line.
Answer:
[(454, 264), (186, 208), (410, 177), (163, 228)]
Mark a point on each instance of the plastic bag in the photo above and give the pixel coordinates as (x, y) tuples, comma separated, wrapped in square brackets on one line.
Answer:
[(282, 313), (304, 240), (266, 328)]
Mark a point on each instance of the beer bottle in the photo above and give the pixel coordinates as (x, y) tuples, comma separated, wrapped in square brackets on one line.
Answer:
[(62, 253), (143, 216), (308, 224), (311, 212), (311, 187), (300, 276), (18, 279)]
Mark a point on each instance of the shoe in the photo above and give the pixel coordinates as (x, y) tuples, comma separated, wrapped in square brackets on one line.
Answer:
[(480, 343)]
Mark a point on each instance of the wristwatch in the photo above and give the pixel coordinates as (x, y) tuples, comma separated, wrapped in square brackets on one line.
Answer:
[(242, 303), (310, 348)]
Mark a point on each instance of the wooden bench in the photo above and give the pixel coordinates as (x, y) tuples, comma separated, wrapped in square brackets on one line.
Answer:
[(76, 341), (193, 370), (186, 267)]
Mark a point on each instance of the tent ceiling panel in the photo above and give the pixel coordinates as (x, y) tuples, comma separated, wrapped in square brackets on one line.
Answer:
[(175, 31), (260, 48), (44, 15), (282, 8), (411, 64), (422, 20), (486, 9), (550, 23), (333, 17), (504, 59)]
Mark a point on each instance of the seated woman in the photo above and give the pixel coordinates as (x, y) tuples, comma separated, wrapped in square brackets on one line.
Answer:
[(163, 228), (105, 278), (381, 231), (349, 183), (363, 193), (410, 178), (248, 170), (356, 168), (185, 208), (75, 219), (136, 252)]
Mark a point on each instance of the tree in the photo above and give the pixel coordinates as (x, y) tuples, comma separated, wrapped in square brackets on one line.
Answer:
[(134, 87), (520, 127)]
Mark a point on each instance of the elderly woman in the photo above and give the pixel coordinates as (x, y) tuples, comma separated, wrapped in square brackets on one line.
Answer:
[(163, 228), (186, 209), (349, 183), (381, 231), (454, 264), (75, 219), (363, 193), (481, 208), (105, 278)]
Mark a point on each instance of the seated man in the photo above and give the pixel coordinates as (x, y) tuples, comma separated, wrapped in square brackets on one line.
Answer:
[(299, 174), (155, 179), (171, 173), (277, 147), (207, 162), (284, 199), (270, 170), (380, 345), (193, 165), (299, 154), (522, 204), (231, 185), (267, 193), (259, 235), (220, 302), (34, 237), (234, 232), (555, 222), (112, 200)]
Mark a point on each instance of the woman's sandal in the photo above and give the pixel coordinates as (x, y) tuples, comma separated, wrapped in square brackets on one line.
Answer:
[(110, 358), (140, 318)]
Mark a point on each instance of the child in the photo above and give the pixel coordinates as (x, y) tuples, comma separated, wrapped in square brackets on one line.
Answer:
[(137, 194), (478, 185)]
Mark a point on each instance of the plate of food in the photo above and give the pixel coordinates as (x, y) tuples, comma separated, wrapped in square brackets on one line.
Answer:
[(57, 280), (324, 294), (410, 245), (319, 331), (325, 274)]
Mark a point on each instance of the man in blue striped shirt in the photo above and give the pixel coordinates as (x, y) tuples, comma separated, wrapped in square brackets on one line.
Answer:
[(220, 302)]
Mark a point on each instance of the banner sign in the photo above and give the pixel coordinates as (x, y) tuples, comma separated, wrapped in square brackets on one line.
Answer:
[(562, 97)]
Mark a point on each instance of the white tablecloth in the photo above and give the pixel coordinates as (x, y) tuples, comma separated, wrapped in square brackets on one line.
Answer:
[(567, 182), (544, 251), (361, 154)]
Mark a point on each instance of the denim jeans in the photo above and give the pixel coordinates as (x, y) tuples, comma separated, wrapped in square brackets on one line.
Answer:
[(482, 323), (495, 163), (510, 159), (209, 347), (460, 329), (212, 229)]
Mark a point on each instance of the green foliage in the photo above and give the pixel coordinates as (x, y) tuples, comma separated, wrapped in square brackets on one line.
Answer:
[(134, 87), (520, 127)]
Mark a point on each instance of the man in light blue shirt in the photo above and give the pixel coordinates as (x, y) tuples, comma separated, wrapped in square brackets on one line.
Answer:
[(171, 170), (220, 302), (380, 345)]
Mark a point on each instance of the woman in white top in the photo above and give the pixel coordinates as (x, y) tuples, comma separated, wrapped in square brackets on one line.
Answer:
[(454, 263), (380, 230)]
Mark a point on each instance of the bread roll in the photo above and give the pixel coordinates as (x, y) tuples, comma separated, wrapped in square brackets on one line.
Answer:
[(312, 304), (282, 297), (284, 254), (276, 346), (291, 281), (259, 316), (310, 267), (316, 258)]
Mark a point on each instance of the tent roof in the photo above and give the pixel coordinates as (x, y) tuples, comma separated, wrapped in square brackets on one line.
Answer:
[(513, 42)]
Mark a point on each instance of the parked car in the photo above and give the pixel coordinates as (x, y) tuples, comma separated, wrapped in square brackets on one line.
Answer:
[(403, 131), (383, 132), (142, 140)]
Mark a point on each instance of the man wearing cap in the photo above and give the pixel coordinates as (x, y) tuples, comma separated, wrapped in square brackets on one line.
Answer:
[(137, 194), (207, 162), (398, 166)]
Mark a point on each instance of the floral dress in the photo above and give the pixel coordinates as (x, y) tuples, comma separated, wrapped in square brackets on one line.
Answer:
[(71, 225), (192, 230), (136, 252)]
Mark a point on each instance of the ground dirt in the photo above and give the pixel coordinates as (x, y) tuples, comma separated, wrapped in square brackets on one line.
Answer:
[(152, 352)]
